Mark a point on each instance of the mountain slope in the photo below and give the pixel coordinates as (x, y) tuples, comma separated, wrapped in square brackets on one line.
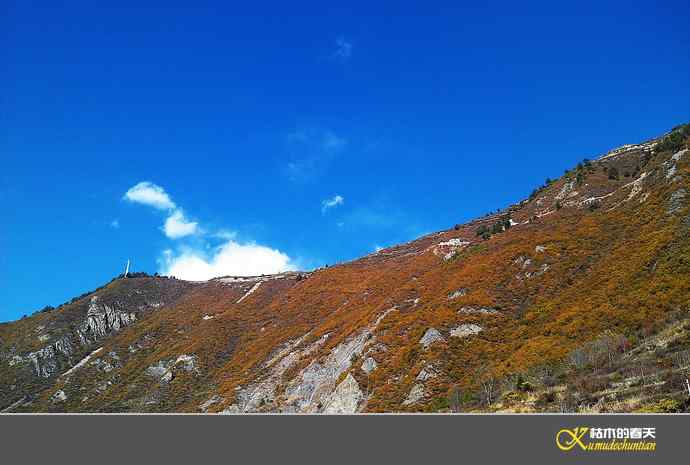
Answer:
[(576, 299)]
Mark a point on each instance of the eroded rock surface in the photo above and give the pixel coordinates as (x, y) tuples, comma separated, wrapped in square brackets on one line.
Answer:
[(416, 394), (431, 337), (346, 399), (463, 331)]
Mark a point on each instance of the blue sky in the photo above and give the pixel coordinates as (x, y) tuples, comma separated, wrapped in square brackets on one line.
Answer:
[(292, 135)]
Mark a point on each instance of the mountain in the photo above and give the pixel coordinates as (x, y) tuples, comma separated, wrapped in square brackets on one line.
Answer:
[(574, 300)]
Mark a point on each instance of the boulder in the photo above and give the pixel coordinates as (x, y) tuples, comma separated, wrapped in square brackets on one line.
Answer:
[(416, 394), (431, 337), (463, 331), (369, 365), (59, 397), (426, 374), (457, 294)]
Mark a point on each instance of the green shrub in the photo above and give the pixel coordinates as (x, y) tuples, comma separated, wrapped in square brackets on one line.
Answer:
[(675, 140)]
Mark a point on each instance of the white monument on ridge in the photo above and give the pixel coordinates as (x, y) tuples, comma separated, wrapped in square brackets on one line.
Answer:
[(127, 269)]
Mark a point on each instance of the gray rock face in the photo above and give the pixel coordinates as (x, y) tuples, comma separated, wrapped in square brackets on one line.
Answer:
[(311, 390), (426, 374), (212, 401), (101, 320), (187, 363), (567, 188), (232, 410), (167, 377), (59, 397), (346, 399), (45, 361), (457, 294), (463, 331), (478, 311), (431, 337), (313, 386), (256, 396), (670, 165), (677, 201), (103, 365), (164, 370), (369, 365), (416, 394), (159, 370)]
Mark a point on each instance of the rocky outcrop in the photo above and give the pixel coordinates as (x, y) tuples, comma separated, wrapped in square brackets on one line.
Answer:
[(59, 397), (101, 320), (566, 190), (431, 337), (677, 201), (670, 165), (450, 248), (478, 311), (164, 370), (161, 371), (311, 389), (416, 394), (457, 294), (346, 399), (427, 373), (209, 403), (47, 360), (262, 393), (369, 365), (463, 331)]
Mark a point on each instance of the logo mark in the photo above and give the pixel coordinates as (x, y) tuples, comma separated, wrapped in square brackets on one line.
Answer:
[(567, 439)]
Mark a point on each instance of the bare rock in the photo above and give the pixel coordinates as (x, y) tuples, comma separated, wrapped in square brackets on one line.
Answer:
[(161, 371), (59, 397), (463, 331), (478, 311), (187, 363), (427, 373), (212, 401), (416, 394), (346, 398), (431, 337), (677, 201), (369, 365), (457, 294), (101, 320)]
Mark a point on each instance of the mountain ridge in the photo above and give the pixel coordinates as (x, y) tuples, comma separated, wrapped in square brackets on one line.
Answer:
[(485, 316)]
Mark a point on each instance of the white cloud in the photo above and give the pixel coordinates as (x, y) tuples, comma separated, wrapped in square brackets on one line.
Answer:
[(177, 226), (332, 203), (115, 224), (230, 259), (147, 193), (343, 49), (204, 261)]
